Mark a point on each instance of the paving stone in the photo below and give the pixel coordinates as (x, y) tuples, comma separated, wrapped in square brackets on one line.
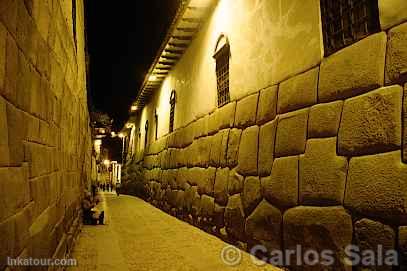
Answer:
[(366, 57), (324, 119), (233, 147), (291, 133), (251, 195), (369, 235), (281, 187), (396, 58), (247, 155), (322, 173), (392, 12), (4, 150), (371, 123), (221, 186), (381, 193), (235, 182), (246, 110), (298, 92), (267, 105), (318, 228), (234, 218), (266, 147), (264, 225)]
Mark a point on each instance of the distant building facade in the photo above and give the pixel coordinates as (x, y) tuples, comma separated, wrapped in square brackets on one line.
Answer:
[(281, 122)]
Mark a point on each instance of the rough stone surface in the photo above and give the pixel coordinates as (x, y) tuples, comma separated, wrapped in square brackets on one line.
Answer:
[(371, 123), (235, 182), (404, 155), (266, 147), (353, 70), (247, 155), (318, 228), (298, 92), (392, 12), (291, 133), (322, 173), (246, 110), (221, 186), (402, 244), (235, 218), (233, 147), (396, 59), (219, 148), (383, 192), (324, 119), (207, 206), (264, 225), (251, 195), (281, 187), (267, 106), (369, 235), (4, 151)]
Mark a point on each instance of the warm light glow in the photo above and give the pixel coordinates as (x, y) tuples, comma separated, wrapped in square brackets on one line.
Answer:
[(121, 135), (133, 108), (98, 142), (152, 77), (106, 162), (113, 134), (102, 131), (129, 125)]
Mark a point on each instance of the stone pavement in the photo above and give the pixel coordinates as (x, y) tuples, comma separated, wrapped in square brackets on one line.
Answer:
[(138, 236)]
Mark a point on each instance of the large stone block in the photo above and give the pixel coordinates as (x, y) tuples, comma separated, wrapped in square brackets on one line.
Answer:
[(219, 148), (371, 123), (233, 147), (7, 241), (264, 225), (200, 152), (404, 155), (318, 228), (322, 173), (221, 118), (247, 156), (10, 84), (3, 40), (203, 178), (17, 131), (267, 105), (4, 151), (23, 221), (207, 206), (291, 133), (281, 187), (369, 235), (251, 195), (266, 147), (221, 186), (396, 58), (298, 92), (14, 189), (234, 218), (201, 127), (246, 110), (354, 69), (392, 12), (324, 119), (381, 193), (235, 182)]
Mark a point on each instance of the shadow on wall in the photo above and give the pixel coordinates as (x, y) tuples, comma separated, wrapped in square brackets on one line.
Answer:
[(133, 182)]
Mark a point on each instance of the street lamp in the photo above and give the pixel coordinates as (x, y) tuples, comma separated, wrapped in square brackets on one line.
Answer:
[(122, 136)]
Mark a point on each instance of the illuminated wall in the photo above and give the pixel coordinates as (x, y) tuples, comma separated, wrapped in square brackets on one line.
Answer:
[(310, 150)]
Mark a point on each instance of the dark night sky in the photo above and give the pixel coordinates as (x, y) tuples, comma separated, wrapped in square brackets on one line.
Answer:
[(123, 39)]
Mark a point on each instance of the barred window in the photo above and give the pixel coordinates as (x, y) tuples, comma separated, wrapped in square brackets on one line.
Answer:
[(146, 135), (156, 124), (172, 110), (222, 54), (347, 21)]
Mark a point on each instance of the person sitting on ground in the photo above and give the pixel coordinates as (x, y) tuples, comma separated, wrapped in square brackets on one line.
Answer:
[(98, 214), (87, 205)]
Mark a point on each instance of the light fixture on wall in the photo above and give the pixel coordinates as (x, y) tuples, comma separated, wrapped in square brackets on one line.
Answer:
[(152, 77), (133, 108)]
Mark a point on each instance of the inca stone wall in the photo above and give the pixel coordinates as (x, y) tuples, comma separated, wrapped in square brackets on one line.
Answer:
[(44, 128), (316, 160)]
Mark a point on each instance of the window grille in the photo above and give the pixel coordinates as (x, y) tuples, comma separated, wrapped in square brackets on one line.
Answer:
[(146, 135), (222, 75), (347, 21), (172, 110), (156, 124)]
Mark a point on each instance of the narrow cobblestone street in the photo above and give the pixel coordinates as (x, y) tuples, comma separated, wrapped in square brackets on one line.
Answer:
[(137, 236)]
